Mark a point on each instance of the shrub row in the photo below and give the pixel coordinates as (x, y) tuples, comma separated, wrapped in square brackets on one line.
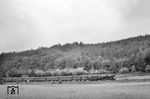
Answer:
[(56, 72)]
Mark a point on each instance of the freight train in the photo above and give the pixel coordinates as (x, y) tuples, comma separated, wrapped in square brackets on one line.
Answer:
[(61, 78)]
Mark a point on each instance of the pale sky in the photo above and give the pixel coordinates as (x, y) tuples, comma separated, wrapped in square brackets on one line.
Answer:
[(28, 24)]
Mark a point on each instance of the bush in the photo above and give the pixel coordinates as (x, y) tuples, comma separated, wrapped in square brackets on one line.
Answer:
[(57, 72), (147, 69), (39, 73), (48, 73), (67, 72), (124, 70), (133, 69), (147, 57), (103, 71), (79, 71), (1, 79), (140, 64)]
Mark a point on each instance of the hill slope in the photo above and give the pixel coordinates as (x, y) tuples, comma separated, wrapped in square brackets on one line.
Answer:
[(111, 56)]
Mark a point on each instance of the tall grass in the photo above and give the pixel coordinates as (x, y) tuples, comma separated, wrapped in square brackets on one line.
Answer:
[(78, 91)]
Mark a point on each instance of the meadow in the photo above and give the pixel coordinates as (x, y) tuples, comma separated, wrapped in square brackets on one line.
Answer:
[(132, 90)]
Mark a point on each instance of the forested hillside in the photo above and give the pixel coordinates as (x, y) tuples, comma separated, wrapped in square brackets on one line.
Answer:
[(127, 55)]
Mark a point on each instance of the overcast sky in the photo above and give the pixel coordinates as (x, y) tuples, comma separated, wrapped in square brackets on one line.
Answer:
[(28, 24)]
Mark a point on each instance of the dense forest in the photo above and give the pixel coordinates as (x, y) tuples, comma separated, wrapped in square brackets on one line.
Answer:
[(123, 56)]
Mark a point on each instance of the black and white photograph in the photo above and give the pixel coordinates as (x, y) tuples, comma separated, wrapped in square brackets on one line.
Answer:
[(74, 49)]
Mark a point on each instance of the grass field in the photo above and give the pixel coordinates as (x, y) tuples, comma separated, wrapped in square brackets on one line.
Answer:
[(132, 90)]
